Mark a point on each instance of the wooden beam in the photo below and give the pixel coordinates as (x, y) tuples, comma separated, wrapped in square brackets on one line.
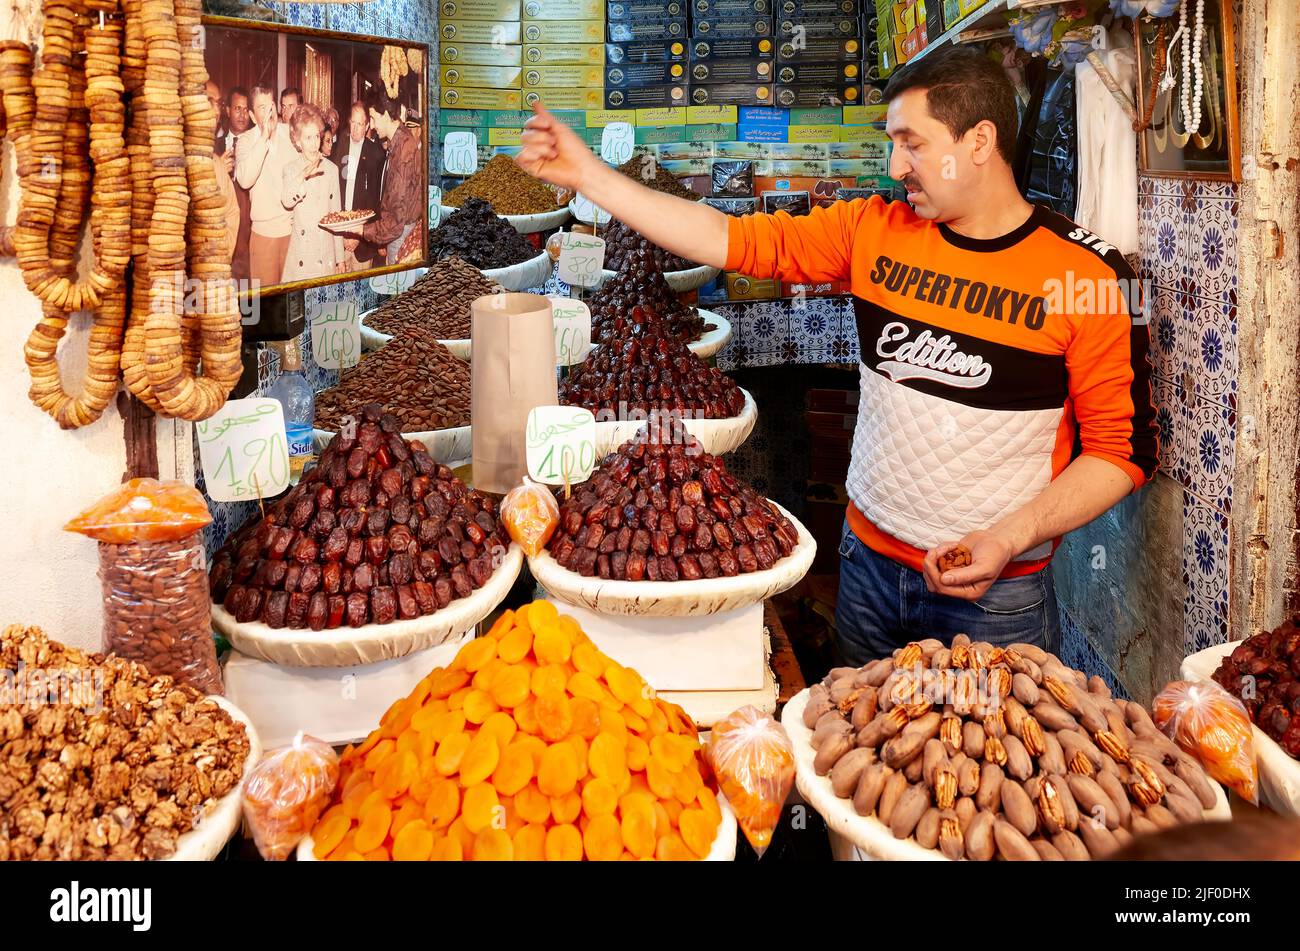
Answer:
[(139, 432)]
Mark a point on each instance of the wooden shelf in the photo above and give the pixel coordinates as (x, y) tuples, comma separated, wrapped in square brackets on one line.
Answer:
[(991, 10)]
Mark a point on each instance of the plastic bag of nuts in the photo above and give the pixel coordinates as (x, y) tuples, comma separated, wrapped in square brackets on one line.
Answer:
[(154, 576)]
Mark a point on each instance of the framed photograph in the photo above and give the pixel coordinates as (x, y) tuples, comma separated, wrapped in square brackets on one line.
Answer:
[(1168, 146), (325, 137)]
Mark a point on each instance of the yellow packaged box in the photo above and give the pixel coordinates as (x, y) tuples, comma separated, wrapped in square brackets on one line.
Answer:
[(482, 77), (564, 31), (504, 136), (566, 98), (563, 9), (480, 54), (564, 54), (863, 115), (599, 118), (479, 9), (665, 115), (478, 31), (563, 77), (709, 115), (813, 133), (467, 97)]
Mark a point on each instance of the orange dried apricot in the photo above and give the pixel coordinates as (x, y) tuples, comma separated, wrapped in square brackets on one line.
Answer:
[(502, 625), (443, 802), (493, 845), (625, 684), (566, 808), (476, 655), (329, 832), (515, 646), (671, 848), (660, 780), (599, 797), (396, 718), (447, 849), (438, 724), (355, 797), (457, 700), (540, 612), (511, 686), (347, 846), (674, 810), (656, 720), (573, 629), (638, 751), (585, 685), (414, 842), (480, 808), (586, 718), (462, 835), (447, 681), (397, 773), (549, 680), (554, 716), (368, 744), (408, 811), (563, 844), (686, 785), (451, 751), (479, 706), (375, 821), (603, 840), (551, 645), (532, 805), (526, 716), (637, 824), (375, 796), (697, 830), (665, 749), (663, 824), (709, 803), (480, 759), (530, 843), (613, 722), (502, 726), (383, 749), (486, 677), (588, 659), (408, 740), (607, 757), (377, 854), (535, 745), (557, 773), (635, 723), (514, 770)]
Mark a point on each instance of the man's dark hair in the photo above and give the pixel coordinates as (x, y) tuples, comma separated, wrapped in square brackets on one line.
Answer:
[(963, 87), (238, 91), (384, 104), (290, 91)]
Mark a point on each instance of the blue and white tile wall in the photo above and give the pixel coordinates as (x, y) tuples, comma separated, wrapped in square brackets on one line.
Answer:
[(782, 332), (1188, 254)]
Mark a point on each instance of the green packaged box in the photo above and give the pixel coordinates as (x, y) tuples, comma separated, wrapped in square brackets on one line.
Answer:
[(508, 118), (564, 31), (599, 118), (716, 132), (861, 149), (676, 151), (563, 9), (795, 168), (470, 98), (481, 77), (657, 134), (859, 167), (504, 136), (564, 54), (563, 77), (830, 115), (741, 150), (493, 10), (813, 133), (864, 115), (664, 115), (593, 137), (681, 167), (464, 118), (791, 151), (478, 31), (480, 54), (710, 115)]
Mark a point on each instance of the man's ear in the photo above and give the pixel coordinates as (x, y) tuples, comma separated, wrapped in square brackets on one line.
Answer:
[(984, 141)]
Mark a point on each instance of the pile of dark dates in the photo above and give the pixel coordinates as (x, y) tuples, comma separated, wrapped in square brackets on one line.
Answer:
[(625, 305), (662, 509), (650, 372), (376, 532), (1264, 673), (626, 250), (476, 234)]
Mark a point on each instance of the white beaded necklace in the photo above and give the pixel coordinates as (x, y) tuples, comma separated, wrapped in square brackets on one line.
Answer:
[(1192, 52)]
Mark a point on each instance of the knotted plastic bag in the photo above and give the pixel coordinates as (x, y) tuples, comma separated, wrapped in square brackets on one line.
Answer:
[(530, 514), (1212, 725), (286, 793), (752, 758)]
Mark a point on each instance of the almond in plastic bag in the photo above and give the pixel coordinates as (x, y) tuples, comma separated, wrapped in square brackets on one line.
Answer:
[(752, 758), (1211, 725), (530, 514), (286, 793)]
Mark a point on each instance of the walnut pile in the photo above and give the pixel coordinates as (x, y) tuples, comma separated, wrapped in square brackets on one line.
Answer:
[(118, 767)]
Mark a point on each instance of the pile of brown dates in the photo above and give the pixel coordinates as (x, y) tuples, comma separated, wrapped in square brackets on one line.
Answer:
[(1264, 672)]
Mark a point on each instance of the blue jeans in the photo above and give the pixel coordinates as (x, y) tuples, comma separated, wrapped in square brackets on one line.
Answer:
[(882, 605)]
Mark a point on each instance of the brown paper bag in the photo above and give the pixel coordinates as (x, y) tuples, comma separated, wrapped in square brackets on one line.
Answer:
[(512, 370)]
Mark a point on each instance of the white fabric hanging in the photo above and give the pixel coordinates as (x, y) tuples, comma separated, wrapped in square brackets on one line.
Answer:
[(1107, 203)]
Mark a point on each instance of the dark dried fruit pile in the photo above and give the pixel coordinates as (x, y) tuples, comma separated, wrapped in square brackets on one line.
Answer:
[(651, 174), (625, 250), (437, 303), (1264, 672), (377, 532), (626, 304), (659, 510), (477, 235), (650, 372)]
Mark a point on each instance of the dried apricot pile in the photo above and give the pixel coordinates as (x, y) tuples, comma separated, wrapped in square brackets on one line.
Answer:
[(531, 745)]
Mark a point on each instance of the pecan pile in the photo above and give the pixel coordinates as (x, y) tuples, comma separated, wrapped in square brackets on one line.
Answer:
[(101, 760), (1264, 672)]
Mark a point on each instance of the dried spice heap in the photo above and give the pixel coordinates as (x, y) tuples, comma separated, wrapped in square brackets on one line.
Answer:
[(660, 510), (650, 173), (506, 187), (417, 378), (627, 303), (375, 533), (117, 765), (531, 745), (625, 250), (1269, 664), (476, 234), (650, 372), (984, 751), (437, 304)]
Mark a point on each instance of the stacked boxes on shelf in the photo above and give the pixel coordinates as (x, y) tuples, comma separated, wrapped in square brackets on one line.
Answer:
[(564, 55), (732, 52), (819, 56), (905, 27), (645, 54), (480, 55)]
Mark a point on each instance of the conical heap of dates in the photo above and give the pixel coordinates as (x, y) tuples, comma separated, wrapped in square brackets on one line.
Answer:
[(626, 304), (651, 372), (1269, 665), (377, 532), (662, 509), (627, 250)]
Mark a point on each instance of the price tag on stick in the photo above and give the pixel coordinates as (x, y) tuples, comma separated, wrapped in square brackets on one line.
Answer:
[(616, 142), (582, 256), (335, 334), (460, 153), (572, 330), (584, 209), (243, 451), (560, 445), (395, 282)]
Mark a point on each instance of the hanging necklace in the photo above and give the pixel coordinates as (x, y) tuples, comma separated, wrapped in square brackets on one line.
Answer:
[(1193, 74), (1211, 98), (1159, 63)]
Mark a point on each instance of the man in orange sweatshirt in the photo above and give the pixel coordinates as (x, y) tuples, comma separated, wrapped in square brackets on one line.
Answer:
[(1005, 389)]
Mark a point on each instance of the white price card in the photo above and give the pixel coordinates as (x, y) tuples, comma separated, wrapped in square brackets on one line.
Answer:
[(572, 330), (335, 334), (460, 153), (582, 257), (586, 210), (394, 282), (435, 206), (243, 451), (560, 444), (616, 142)]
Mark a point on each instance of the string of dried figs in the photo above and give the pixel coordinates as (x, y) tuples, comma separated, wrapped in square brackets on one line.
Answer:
[(377, 532), (984, 752), (662, 509)]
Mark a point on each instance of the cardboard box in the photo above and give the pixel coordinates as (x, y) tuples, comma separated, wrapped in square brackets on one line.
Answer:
[(504, 136), (712, 133), (816, 96), (726, 28), (742, 150), (599, 118), (678, 151), (839, 28), (819, 9), (820, 50), (644, 9), (563, 77), (857, 167), (654, 135), (463, 118), (864, 115), (742, 287), (563, 54), (681, 167), (468, 97), (822, 189), (796, 151), (739, 94), (711, 48), (644, 74), (562, 10), (493, 10), (792, 168), (645, 97), (761, 133), (479, 54), (517, 119), (564, 31), (732, 71), (826, 115), (731, 8), (666, 29), (710, 115), (565, 98), (478, 31), (813, 133), (646, 51), (860, 146), (828, 74), (481, 77), (671, 115), (763, 115)]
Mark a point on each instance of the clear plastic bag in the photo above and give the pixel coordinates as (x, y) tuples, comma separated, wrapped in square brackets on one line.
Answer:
[(144, 510), (1211, 725), (753, 761), (530, 514), (287, 792)]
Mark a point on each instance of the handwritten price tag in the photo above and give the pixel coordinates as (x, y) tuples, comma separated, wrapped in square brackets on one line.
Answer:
[(460, 153), (243, 451), (335, 334), (396, 281), (616, 142), (582, 256), (585, 210), (560, 444), (572, 330), (435, 206)]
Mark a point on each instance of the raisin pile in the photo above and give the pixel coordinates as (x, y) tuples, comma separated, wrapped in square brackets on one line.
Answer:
[(475, 234), (625, 304), (661, 510), (1264, 672), (625, 250), (650, 372), (376, 532)]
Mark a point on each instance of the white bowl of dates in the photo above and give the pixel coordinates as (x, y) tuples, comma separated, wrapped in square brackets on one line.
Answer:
[(379, 551), (680, 281), (1227, 664), (975, 752), (717, 436), (663, 529), (444, 445), (524, 275), (525, 224), (717, 334)]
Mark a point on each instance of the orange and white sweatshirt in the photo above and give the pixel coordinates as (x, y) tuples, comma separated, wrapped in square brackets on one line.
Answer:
[(987, 365)]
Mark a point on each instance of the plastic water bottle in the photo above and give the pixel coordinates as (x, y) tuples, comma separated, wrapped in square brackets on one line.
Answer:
[(299, 404)]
